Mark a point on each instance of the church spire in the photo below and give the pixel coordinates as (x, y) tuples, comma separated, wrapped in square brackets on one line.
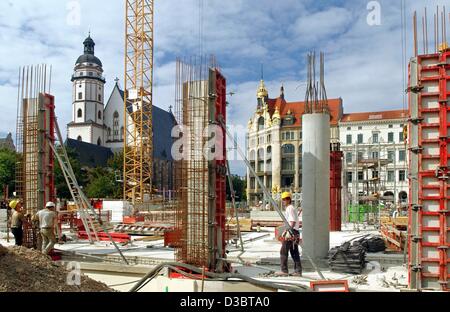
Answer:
[(89, 45)]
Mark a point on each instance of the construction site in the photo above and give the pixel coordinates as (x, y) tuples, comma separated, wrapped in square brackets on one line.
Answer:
[(198, 239)]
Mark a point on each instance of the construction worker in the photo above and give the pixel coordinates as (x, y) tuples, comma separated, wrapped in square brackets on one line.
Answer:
[(290, 238), (47, 225), (17, 220)]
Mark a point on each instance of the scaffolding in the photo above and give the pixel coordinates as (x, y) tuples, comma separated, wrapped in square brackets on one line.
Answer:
[(200, 169), (138, 147), (35, 132)]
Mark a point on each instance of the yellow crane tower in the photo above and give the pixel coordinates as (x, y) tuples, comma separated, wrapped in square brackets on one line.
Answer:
[(138, 130)]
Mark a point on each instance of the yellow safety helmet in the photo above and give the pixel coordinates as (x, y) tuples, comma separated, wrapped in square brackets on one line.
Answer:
[(13, 203), (286, 195)]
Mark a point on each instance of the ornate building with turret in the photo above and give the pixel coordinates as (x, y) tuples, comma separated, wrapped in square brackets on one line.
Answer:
[(274, 142)]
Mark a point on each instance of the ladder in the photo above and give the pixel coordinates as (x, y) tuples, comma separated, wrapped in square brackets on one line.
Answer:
[(91, 220)]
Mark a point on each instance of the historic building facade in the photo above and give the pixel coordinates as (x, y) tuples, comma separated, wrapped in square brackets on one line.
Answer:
[(274, 142)]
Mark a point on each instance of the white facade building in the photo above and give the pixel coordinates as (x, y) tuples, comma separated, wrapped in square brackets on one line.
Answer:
[(375, 156)]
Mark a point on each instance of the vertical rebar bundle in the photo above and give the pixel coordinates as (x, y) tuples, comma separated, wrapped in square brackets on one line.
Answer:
[(439, 34), (138, 136), (195, 173), (316, 100)]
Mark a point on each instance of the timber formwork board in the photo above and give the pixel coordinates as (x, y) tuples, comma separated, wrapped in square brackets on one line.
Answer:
[(429, 150)]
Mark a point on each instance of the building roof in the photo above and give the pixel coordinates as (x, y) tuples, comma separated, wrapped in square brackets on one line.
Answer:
[(298, 109), (368, 116), (163, 123), (89, 53), (90, 155)]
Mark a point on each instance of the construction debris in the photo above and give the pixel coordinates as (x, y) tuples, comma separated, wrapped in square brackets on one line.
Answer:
[(27, 270), (371, 244), (347, 258)]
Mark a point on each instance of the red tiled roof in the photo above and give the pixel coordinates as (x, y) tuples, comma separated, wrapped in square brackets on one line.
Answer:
[(298, 109), (367, 116)]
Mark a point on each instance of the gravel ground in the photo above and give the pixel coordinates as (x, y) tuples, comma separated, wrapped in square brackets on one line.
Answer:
[(27, 270)]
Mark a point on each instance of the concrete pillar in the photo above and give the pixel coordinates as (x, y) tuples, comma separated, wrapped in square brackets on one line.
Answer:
[(276, 157), (316, 184), (297, 166)]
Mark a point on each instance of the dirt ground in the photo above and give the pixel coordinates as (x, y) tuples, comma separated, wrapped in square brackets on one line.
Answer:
[(27, 270)]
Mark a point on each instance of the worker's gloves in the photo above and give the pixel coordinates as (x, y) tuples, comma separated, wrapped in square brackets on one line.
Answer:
[(287, 235)]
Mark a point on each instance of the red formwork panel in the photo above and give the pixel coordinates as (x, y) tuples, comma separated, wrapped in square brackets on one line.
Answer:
[(220, 113), (49, 161), (428, 137), (335, 190)]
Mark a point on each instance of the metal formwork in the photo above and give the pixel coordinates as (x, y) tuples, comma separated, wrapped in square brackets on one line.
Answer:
[(35, 131), (200, 175), (428, 136), (335, 190)]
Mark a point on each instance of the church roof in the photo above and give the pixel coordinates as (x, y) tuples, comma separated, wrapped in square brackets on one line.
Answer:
[(90, 155), (89, 53)]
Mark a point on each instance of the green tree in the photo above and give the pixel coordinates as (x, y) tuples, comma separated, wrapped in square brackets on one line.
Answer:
[(8, 161), (62, 191), (239, 186), (103, 184)]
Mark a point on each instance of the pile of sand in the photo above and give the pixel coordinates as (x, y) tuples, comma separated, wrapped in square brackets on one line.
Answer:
[(27, 270)]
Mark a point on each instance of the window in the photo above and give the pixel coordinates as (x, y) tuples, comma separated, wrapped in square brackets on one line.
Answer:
[(401, 155), (349, 177), (360, 128), (99, 97), (391, 137), (269, 138), (360, 155), (349, 139), (374, 155), (252, 183), (391, 126), (109, 134), (283, 136), (288, 163), (374, 174), (360, 138), (91, 74), (349, 128), (375, 138), (121, 133), (300, 135), (401, 175), (80, 113), (99, 115), (269, 150), (400, 136), (260, 123), (348, 157), (115, 126), (288, 149), (360, 175), (391, 155), (99, 142), (80, 95), (390, 176)]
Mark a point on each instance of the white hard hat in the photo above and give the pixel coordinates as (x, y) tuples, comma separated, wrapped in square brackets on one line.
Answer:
[(50, 205)]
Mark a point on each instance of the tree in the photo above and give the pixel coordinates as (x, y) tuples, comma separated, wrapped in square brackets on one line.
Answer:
[(239, 186), (8, 161), (62, 191), (103, 184)]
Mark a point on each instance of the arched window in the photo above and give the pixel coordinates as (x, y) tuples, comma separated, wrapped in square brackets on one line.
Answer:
[(79, 138), (288, 149), (116, 126), (260, 123), (99, 142), (252, 155), (121, 133), (99, 115), (80, 113)]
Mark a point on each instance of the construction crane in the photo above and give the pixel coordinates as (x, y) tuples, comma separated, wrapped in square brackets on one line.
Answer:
[(138, 129)]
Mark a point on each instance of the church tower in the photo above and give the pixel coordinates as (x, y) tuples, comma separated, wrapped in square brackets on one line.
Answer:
[(88, 98)]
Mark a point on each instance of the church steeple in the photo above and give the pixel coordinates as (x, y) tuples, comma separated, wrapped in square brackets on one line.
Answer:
[(89, 45)]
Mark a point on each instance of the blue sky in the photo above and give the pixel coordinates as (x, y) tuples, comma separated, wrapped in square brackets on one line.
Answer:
[(363, 62)]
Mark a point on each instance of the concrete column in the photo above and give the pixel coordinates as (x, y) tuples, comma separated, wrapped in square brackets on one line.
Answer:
[(297, 166), (276, 157), (316, 184)]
